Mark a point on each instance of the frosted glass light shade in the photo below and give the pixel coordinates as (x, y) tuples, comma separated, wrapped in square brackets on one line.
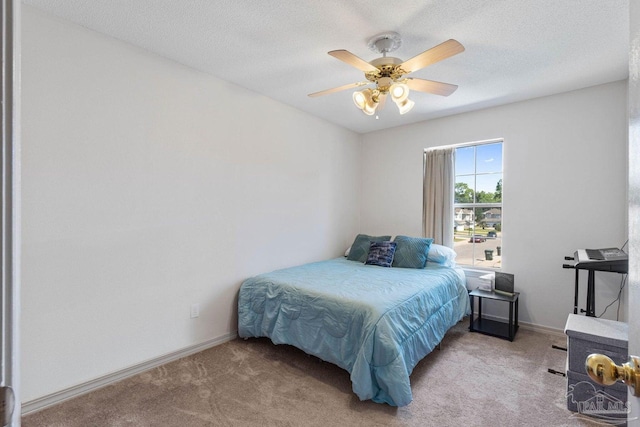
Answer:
[(406, 106), (368, 110), (359, 99), (399, 92), (364, 101)]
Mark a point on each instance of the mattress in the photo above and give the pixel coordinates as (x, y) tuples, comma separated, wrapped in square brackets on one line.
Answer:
[(376, 323)]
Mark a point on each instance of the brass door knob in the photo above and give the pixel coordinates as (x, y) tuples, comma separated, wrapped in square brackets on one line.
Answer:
[(604, 371)]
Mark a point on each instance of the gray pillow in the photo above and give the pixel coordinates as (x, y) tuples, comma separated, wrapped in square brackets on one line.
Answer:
[(411, 252), (360, 247)]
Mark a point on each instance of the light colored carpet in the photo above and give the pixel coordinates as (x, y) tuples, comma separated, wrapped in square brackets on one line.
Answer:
[(474, 380)]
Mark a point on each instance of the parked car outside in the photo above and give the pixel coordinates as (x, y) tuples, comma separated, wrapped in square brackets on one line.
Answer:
[(477, 239)]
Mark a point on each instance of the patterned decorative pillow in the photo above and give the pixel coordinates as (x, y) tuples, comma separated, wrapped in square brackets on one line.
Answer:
[(360, 247), (411, 251), (381, 253)]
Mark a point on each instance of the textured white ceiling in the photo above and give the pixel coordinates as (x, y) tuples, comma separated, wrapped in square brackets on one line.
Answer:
[(515, 49)]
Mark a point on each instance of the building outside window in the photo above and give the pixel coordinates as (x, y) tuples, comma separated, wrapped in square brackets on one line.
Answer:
[(478, 204)]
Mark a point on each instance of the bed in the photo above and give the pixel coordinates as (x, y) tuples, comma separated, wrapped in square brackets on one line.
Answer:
[(376, 323)]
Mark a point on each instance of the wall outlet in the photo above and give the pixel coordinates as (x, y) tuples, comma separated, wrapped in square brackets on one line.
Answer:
[(195, 310)]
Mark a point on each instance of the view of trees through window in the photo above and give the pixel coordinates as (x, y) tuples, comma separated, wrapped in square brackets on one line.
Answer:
[(478, 205)]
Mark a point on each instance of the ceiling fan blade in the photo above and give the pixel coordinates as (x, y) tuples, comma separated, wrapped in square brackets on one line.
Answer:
[(351, 59), (338, 89), (438, 53), (429, 86), (382, 99)]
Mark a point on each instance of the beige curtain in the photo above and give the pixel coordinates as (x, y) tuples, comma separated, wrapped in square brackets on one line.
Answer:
[(437, 211)]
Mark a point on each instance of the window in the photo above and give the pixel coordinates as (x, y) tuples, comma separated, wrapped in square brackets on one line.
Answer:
[(478, 204)]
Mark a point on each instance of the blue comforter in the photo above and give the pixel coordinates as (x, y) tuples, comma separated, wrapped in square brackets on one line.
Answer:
[(377, 323)]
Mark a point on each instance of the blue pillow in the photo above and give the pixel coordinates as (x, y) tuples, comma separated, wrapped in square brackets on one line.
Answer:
[(381, 253), (360, 247), (411, 251)]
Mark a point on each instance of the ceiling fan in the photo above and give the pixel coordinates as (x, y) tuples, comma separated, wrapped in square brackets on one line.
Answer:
[(388, 73)]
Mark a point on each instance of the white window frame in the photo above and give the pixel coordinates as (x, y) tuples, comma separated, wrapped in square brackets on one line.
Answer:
[(474, 205)]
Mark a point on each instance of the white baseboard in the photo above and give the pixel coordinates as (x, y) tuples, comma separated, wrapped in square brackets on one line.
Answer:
[(77, 390), (529, 326), (543, 329)]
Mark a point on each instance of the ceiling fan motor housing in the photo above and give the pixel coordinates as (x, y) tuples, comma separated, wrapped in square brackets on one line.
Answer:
[(388, 72)]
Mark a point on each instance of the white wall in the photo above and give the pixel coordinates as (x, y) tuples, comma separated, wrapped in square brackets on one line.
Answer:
[(149, 186), (565, 187)]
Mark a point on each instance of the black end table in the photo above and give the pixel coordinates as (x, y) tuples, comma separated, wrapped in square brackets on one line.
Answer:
[(493, 327)]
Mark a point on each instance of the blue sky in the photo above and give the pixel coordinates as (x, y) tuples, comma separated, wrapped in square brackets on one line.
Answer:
[(488, 160)]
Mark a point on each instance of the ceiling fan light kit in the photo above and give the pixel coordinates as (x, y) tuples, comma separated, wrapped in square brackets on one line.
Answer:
[(387, 73), (364, 101)]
